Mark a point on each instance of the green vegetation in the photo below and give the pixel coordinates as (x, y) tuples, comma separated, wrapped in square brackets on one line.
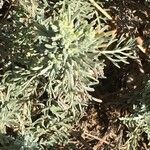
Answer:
[(52, 54)]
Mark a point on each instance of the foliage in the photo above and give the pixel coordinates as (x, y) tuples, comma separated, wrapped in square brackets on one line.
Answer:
[(52, 53), (139, 122)]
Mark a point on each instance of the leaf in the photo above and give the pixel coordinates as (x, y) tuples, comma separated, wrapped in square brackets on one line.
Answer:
[(37, 68), (45, 70)]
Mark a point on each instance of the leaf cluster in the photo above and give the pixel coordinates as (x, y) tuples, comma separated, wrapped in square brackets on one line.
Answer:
[(139, 122)]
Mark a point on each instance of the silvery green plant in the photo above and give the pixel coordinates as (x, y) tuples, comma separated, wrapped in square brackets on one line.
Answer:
[(139, 122), (52, 63)]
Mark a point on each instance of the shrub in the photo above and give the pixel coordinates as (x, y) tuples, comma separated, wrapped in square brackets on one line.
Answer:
[(51, 58)]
